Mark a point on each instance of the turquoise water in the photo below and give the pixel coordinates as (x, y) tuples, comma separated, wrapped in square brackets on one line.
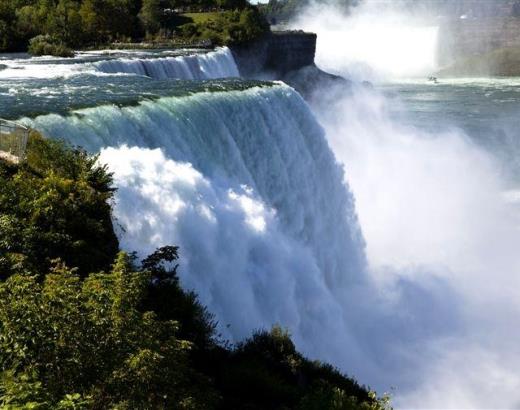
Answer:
[(32, 97), (486, 110), (35, 86)]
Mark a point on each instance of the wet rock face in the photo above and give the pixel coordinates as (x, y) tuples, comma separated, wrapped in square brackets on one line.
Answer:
[(287, 56), (291, 51), (276, 54), (311, 82)]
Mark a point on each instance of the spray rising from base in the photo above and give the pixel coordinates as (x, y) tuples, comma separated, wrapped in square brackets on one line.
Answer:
[(441, 240)]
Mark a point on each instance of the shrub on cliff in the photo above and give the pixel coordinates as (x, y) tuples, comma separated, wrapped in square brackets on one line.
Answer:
[(107, 341), (55, 205), (46, 45), (267, 372), (90, 343)]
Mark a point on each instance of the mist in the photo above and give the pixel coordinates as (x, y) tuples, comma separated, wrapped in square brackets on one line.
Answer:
[(441, 240), (374, 41)]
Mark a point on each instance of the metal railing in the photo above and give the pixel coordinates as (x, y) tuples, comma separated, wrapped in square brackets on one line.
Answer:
[(13, 141)]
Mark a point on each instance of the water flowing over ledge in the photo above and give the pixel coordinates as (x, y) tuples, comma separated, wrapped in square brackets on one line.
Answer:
[(30, 87), (165, 64), (246, 184), (215, 64)]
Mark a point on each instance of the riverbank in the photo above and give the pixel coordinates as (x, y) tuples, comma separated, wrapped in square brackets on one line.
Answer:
[(162, 45)]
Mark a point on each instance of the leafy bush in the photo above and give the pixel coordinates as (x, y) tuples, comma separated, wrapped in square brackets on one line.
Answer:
[(46, 45), (189, 31), (72, 339), (266, 371), (55, 205), (230, 27)]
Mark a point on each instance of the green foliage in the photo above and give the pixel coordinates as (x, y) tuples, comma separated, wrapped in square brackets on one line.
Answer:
[(326, 396), (55, 205), (123, 337), (89, 341), (277, 11), (46, 45), (150, 16), (230, 27), (167, 299), (232, 4), (93, 343), (266, 371), (108, 20), (56, 26), (281, 11)]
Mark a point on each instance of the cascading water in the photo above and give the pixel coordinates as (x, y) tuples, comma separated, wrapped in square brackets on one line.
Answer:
[(429, 165), (216, 64), (246, 184), (199, 66)]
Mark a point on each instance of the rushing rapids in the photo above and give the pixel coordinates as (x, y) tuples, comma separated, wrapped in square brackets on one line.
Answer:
[(216, 64), (154, 64), (237, 173)]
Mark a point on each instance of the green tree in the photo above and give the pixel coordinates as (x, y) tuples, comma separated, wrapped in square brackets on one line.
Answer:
[(8, 36), (232, 4), (55, 205), (123, 337), (150, 16), (67, 338), (65, 23), (107, 20)]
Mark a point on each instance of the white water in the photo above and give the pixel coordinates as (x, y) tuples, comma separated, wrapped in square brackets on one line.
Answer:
[(200, 66), (374, 44), (442, 243), (248, 187), (216, 64)]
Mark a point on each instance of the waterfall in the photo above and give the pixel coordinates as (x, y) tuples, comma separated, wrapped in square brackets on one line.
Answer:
[(245, 182), (215, 64), (218, 63)]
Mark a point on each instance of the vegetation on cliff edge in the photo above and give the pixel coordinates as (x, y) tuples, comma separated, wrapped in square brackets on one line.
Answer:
[(84, 326)]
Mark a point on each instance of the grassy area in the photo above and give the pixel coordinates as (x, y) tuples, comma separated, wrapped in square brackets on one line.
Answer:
[(202, 18), (222, 28)]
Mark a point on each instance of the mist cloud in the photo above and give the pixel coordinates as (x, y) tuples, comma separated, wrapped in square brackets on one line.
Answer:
[(442, 243)]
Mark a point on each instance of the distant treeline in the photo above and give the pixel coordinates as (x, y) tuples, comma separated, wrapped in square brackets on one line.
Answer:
[(82, 23)]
